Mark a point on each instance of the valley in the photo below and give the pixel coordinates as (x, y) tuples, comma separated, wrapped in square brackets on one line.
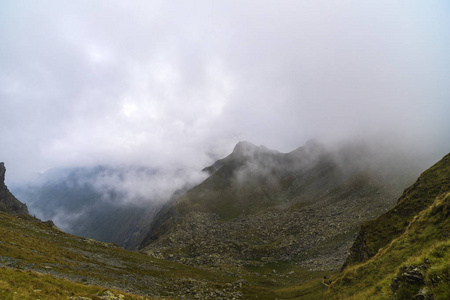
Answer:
[(263, 225), (229, 150)]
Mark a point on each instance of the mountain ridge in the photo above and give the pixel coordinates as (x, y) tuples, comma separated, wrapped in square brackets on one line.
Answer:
[(285, 247), (304, 206)]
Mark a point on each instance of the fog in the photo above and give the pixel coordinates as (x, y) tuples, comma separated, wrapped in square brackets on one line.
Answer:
[(104, 202), (174, 85)]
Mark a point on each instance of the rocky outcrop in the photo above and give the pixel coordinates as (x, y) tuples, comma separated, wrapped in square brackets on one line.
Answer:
[(411, 275), (9, 203)]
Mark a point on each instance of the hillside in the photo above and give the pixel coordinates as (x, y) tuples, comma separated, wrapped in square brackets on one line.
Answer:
[(38, 261), (30, 247), (260, 207), (41, 262), (404, 253)]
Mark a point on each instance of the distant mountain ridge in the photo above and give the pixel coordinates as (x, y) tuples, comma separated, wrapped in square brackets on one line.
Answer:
[(260, 205), (78, 202)]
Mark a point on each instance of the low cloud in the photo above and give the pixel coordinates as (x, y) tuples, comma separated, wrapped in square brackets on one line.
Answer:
[(78, 200), (175, 85), (141, 185)]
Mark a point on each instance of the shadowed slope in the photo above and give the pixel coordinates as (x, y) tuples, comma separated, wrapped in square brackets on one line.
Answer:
[(409, 246), (380, 232)]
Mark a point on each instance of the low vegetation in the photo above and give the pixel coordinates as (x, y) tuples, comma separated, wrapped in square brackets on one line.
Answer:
[(380, 232), (415, 262), (24, 285), (38, 261)]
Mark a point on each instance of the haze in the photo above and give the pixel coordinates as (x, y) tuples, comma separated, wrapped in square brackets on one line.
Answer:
[(176, 84)]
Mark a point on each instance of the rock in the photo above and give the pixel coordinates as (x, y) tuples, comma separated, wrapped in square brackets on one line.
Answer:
[(424, 294), (9, 203), (239, 283), (108, 295), (409, 274)]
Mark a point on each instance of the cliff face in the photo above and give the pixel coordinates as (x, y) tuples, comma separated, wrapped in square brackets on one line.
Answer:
[(9, 203)]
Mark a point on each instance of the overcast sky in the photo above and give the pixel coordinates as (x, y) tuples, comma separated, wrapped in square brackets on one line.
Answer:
[(179, 83)]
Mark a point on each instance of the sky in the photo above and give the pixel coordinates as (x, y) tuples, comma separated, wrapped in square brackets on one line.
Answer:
[(176, 84)]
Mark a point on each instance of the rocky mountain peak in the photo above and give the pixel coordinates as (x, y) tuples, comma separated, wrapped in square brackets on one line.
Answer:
[(245, 149), (2, 174), (302, 206), (242, 152), (9, 203)]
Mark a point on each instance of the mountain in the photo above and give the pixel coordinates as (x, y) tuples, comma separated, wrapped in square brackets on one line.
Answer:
[(91, 202), (401, 253), (38, 261), (404, 253), (9, 203), (260, 207)]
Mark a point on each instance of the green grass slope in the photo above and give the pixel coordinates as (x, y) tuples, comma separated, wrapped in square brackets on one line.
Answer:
[(409, 245), (380, 232)]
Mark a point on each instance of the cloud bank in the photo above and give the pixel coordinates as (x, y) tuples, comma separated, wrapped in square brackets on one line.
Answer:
[(175, 84)]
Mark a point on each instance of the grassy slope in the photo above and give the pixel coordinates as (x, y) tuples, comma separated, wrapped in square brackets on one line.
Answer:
[(24, 285), (30, 245), (40, 262), (381, 231), (422, 244), (406, 241)]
